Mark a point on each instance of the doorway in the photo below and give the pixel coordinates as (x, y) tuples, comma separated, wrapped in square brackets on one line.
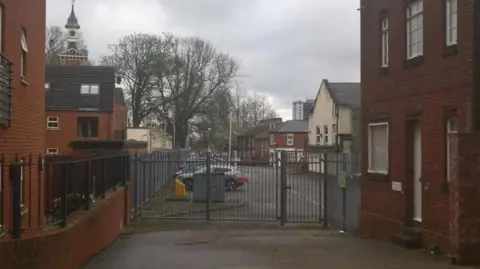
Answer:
[(417, 171)]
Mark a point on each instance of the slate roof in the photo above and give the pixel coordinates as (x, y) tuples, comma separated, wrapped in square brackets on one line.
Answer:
[(342, 93), (293, 126), (65, 83), (345, 93)]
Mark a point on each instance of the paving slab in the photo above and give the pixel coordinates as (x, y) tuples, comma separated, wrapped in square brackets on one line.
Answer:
[(254, 246)]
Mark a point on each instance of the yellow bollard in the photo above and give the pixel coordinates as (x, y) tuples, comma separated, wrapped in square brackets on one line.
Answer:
[(180, 190)]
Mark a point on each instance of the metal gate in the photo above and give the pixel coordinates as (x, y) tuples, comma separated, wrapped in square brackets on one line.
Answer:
[(287, 189)]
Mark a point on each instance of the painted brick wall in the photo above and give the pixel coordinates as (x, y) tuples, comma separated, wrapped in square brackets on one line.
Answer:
[(68, 130), (70, 247), (426, 90), (26, 133)]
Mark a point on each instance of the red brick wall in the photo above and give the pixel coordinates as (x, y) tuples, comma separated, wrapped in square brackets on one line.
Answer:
[(26, 134), (68, 248), (68, 128), (262, 149), (121, 119), (298, 140), (426, 91)]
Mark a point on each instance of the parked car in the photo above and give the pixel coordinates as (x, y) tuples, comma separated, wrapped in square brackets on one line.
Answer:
[(193, 161), (233, 176)]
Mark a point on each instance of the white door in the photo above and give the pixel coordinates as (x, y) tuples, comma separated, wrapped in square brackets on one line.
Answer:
[(417, 173)]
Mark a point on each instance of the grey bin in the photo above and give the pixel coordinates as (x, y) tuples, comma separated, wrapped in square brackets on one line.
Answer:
[(217, 187)]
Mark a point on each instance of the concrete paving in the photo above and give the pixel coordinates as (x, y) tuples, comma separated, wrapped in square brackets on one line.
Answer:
[(253, 246)]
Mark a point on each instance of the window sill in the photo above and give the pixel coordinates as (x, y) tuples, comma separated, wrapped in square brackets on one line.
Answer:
[(24, 81), (377, 176), (53, 129), (413, 62), (450, 50)]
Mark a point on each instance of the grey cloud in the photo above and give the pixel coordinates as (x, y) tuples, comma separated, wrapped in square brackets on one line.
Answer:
[(286, 47)]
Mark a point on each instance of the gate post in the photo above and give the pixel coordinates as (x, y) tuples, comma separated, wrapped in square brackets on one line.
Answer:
[(325, 190), (283, 188), (209, 186), (276, 166)]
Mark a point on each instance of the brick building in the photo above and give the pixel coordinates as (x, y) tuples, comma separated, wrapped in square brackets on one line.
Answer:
[(82, 103), (22, 129), (252, 143), (291, 135), (420, 86)]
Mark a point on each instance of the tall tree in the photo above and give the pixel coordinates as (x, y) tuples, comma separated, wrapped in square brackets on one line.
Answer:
[(56, 42), (136, 58), (250, 109)]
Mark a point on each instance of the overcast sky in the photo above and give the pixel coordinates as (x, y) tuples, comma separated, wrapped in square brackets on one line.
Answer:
[(285, 47)]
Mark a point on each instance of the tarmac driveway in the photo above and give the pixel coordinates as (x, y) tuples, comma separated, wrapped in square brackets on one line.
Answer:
[(254, 246)]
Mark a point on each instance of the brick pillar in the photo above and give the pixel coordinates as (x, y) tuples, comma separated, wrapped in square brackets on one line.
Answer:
[(465, 198)]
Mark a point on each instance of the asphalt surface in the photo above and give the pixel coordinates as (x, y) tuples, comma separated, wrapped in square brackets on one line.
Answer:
[(221, 246), (259, 199)]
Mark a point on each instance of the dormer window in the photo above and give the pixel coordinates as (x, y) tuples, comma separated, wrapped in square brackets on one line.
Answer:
[(89, 89)]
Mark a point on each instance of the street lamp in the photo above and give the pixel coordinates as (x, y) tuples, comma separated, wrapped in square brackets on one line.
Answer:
[(230, 137), (208, 139)]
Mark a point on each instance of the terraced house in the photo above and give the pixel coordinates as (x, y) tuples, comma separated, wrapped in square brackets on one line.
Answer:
[(82, 103), (421, 121)]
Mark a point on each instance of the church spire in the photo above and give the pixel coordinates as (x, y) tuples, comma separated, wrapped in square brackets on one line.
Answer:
[(72, 22)]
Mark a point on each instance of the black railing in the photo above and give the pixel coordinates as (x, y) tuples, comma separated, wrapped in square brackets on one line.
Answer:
[(69, 184), (5, 90), (74, 184)]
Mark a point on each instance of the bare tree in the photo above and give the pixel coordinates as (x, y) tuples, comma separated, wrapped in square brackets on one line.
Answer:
[(56, 42), (135, 58), (191, 81), (250, 109)]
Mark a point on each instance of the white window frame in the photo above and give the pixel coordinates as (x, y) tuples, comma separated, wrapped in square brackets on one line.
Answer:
[(414, 15), (53, 120), (290, 140), (451, 128), (23, 55), (22, 162), (451, 22), (318, 135), (89, 89), (52, 151), (370, 151), (384, 42)]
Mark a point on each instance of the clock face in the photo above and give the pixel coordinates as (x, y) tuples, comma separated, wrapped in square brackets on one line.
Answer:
[(72, 33)]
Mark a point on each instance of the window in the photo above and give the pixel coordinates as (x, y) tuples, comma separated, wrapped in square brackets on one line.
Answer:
[(385, 42), (52, 151), (23, 56), (289, 139), (89, 89), (325, 132), (53, 123), (451, 22), (415, 29), (47, 86), (378, 148), (451, 128), (272, 139), (317, 134), (87, 127)]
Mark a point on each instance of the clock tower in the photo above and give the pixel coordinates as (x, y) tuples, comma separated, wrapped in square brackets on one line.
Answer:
[(73, 54)]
